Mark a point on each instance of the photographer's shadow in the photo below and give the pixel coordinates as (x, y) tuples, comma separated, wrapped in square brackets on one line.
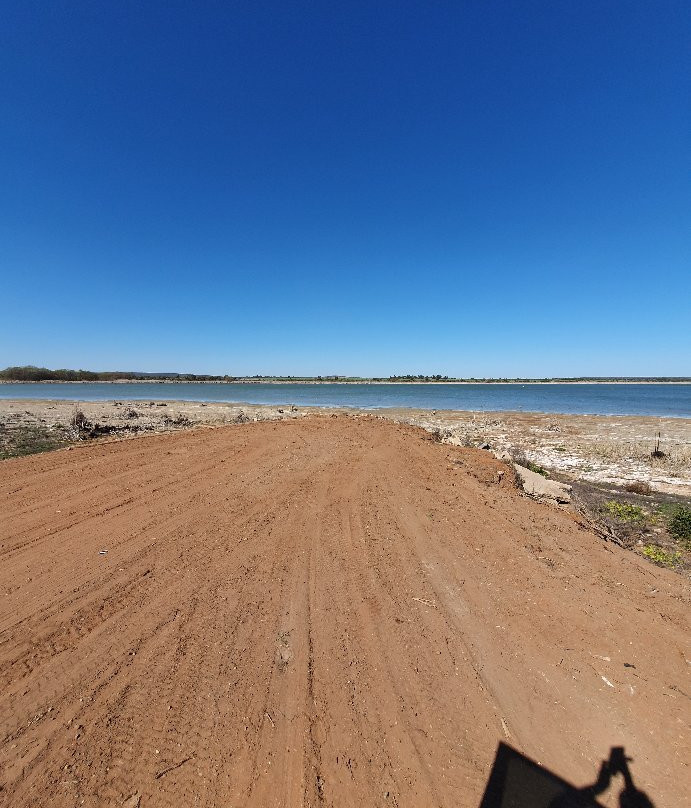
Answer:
[(518, 782)]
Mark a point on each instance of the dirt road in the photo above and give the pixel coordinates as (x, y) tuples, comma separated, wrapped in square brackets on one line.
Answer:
[(331, 611)]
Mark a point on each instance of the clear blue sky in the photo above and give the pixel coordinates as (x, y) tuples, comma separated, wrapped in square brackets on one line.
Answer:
[(467, 187)]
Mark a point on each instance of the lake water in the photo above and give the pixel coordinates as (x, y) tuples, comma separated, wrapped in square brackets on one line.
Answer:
[(599, 399)]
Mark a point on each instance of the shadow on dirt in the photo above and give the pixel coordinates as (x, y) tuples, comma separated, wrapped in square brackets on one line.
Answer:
[(518, 782)]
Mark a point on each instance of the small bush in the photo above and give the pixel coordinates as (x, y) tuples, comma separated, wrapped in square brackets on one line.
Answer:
[(638, 487), (179, 420), (680, 525), (623, 511), (80, 426), (661, 556)]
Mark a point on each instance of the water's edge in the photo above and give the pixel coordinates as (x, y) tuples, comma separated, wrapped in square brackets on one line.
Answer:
[(644, 399)]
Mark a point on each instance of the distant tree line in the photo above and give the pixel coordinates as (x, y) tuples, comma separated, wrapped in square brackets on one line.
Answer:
[(419, 378), (30, 373)]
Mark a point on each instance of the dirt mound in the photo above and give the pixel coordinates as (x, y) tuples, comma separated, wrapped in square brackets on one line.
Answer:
[(332, 611)]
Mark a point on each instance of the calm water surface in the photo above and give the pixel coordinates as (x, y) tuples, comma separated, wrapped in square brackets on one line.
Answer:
[(599, 399)]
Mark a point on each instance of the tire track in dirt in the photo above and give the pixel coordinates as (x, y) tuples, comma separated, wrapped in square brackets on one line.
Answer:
[(192, 561), (335, 611), (93, 494)]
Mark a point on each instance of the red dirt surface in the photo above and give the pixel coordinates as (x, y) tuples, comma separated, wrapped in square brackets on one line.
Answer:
[(333, 611)]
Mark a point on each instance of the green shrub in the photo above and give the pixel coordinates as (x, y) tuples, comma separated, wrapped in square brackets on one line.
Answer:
[(623, 511), (661, 556), (680, 525)]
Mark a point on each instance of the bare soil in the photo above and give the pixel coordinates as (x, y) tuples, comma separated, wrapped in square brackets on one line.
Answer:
[(319, 611)]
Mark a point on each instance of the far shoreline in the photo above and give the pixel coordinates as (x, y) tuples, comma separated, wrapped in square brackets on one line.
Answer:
[(286, 382)]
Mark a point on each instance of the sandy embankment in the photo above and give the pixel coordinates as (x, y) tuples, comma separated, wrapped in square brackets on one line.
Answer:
[(323, 611), (613, 449)]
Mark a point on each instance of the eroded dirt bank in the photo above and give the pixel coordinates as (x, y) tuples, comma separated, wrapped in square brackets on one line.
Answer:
[(324, 611)]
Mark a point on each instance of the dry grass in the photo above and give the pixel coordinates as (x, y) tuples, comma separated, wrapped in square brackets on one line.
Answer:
[(18, 440), (677, 457)]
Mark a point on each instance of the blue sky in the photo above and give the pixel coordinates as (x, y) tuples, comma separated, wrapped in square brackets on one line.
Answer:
[(466, 188)]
